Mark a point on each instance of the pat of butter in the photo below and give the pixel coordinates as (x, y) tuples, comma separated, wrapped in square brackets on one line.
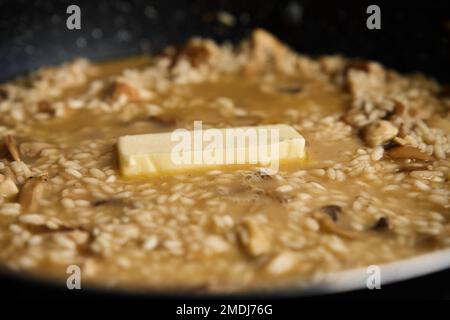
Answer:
[(183, 151)]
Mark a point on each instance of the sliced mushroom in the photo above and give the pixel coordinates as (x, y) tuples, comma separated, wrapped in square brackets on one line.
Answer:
[(382, 224), (117, 203), (11, 145), (252, 238), (408, 152), (396, 142), (390, 144), (7, 171), (332, 211), (327, 223), (30, 193), (400, 141), (107, 201), (411, 167), (8, 187), (266, 52), (378, 132)]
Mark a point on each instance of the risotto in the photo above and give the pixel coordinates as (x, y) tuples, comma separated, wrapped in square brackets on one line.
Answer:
[(375, 187)]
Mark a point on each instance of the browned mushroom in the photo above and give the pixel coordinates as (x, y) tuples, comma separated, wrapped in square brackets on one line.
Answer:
[(9, 174), (410, 167), (11, 145), (327, 223), (389, 144), (332, 211), (114, 202), (252, 238), (8, 187), (408, 152), (382, 224), (106, 201), (30, 193), (378, 132), (266, 52)]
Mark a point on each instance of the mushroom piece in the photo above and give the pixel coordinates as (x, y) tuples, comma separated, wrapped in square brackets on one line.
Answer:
[(396, 142), (8, 187), (408, 152), (382, 224), (378, 132), (266, 51), (8, 173), (332, 211), (114, 202), (327, 223), (11, 145), (30, 193), (107, 201), (252, 238)]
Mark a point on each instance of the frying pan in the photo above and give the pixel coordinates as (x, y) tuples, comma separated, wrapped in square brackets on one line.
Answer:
[(414, 37)]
